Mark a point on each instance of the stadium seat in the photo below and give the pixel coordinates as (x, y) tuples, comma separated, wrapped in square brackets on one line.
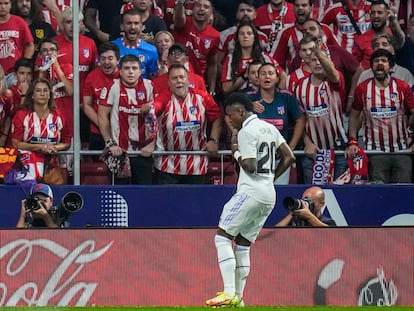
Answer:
[(94, 173)]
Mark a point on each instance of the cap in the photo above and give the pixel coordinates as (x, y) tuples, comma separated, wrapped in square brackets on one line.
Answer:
[(42, 188), (177, 47)]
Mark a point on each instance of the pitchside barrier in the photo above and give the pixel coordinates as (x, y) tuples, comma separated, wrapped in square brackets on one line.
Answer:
[(195, 206), (178, 267)]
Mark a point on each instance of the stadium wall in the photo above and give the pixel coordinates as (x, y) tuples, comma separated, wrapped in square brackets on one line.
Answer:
[(200, 206), (178, 267)]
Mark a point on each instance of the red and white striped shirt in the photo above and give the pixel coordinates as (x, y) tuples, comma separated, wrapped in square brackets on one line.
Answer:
[(182, 127), (323, 106), (127, 123), (342, 27), (385, 113), (286, 46), (95, 82), (294, 77), (28, 127)]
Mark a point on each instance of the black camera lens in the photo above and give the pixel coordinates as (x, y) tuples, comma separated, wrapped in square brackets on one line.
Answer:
[(32, 203), (292, 204)]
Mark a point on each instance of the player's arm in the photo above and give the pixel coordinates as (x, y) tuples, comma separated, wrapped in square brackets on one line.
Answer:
[(286, 159)]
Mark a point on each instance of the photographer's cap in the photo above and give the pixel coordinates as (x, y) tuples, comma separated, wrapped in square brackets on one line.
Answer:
[(43, 189)]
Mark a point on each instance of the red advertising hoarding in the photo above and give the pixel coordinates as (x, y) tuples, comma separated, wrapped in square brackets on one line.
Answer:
[(178, 267)]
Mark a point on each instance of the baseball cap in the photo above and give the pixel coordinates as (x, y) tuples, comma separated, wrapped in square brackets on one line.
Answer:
[(177, 47), (42, 188)]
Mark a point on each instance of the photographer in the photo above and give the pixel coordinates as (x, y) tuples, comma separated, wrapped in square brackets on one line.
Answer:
[(35, 211), (306, 212)]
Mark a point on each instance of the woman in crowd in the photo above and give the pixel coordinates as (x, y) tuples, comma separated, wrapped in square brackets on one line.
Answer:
[(38, 130), (279, 108), (246, 50), (163, 41)]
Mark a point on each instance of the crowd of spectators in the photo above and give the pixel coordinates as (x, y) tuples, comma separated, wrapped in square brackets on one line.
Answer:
[(154, 74)]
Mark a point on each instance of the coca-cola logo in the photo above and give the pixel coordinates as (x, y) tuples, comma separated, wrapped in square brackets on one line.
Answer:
[(60, 286)]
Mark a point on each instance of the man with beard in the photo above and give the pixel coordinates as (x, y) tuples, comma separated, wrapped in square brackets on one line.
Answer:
[(380, 13), (131, 43), (286, 46), (344, 30), (200, 38), (183, 115), (29, 10), (151, 23), (96, 89), (384, 102)]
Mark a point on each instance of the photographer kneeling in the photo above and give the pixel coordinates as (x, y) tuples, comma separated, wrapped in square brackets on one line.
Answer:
[(36, 209), (306, 212)]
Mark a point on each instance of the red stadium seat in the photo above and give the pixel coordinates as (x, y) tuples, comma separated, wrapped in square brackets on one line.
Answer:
[(94, 173)]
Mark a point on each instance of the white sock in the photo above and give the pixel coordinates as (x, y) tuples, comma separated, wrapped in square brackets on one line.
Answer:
[(227, 263), (242, 254)]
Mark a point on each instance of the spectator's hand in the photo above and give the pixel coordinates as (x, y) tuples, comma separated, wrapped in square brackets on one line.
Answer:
[(311, 150), (211, 148), (258, 107), (115, 150), (351, 151), (145, 108), (23, 87), (102, 36)]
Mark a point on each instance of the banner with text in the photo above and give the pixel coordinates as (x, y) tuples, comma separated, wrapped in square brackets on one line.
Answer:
[(178, 267)]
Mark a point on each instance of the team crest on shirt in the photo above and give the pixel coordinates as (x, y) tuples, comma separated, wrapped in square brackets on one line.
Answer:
[(86, 53), (281, 110), (52, 127), (141, 58), (393, 97), (193, 110), (207, 43), (140, 95)]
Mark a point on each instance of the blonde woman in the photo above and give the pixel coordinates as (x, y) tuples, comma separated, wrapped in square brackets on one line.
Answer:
[(163, 40)]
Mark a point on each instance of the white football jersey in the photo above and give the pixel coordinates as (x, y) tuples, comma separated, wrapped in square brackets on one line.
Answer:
[(259, 140)]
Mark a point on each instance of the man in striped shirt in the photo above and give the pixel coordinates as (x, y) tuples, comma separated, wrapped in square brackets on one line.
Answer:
[(321, 96), (183, 114), (384, 101)]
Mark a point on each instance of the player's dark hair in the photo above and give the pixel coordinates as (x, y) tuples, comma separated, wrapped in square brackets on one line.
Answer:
[(109, 46), (129, 58), (238, 98), (380, 53)]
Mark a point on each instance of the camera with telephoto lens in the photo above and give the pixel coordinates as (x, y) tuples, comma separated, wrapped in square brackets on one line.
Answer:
[(32, 203), (71, 202), (293, 204)]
